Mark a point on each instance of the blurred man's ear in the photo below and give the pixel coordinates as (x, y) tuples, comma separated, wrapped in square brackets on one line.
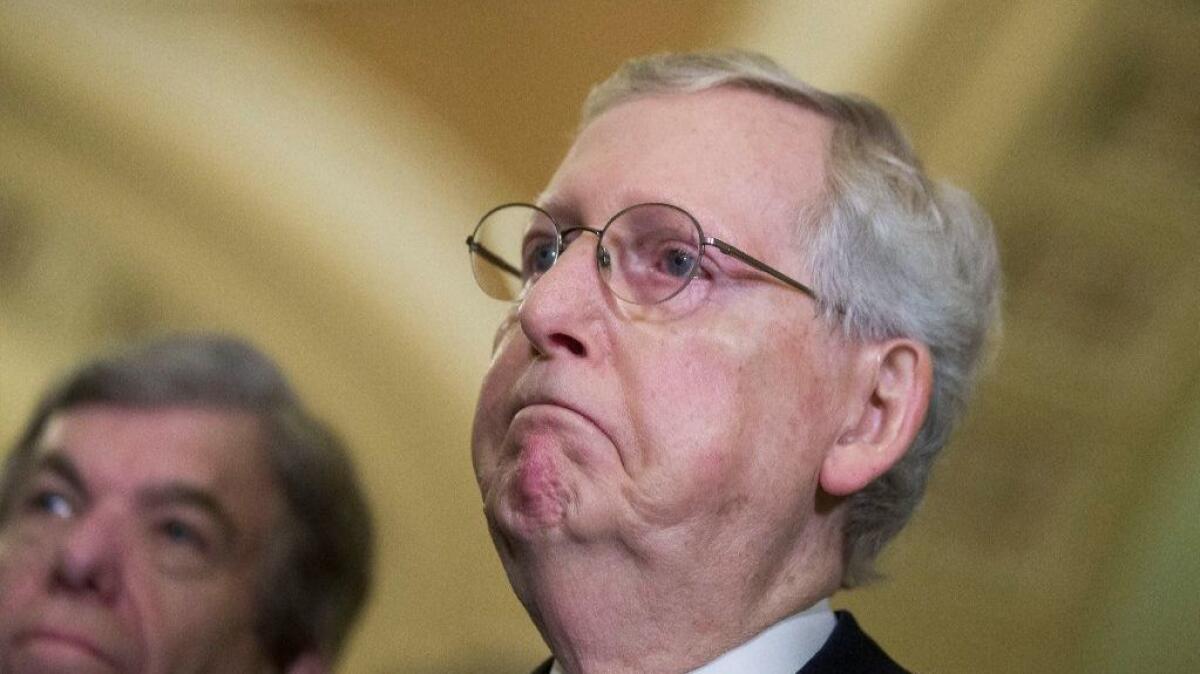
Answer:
[(893, 382), (309, 663)]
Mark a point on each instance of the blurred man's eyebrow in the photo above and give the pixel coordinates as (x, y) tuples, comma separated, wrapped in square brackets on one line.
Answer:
[(173, 493), (187, 495), (63, 467)]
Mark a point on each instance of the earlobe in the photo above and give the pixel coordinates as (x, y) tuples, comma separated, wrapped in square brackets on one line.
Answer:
[(891, 401)]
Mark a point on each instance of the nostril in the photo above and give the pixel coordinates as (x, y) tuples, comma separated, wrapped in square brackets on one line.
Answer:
[(568, 342)]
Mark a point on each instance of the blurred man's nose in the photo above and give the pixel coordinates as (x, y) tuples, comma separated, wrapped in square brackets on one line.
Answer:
[(90, 555)]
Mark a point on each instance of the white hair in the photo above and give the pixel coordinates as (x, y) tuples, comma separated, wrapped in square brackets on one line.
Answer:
[(890, 253)]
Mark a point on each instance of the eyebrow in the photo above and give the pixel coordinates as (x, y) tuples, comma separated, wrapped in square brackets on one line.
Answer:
[(64, 468)]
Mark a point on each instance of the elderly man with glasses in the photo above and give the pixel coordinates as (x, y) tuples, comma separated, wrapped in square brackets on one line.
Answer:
[(744, 323)]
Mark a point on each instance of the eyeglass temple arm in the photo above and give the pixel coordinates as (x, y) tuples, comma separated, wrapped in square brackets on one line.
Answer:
[(482, 251), (761, 266)]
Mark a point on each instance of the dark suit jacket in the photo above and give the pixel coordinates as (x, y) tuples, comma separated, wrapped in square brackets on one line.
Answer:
[(847, 651), (850, 651)]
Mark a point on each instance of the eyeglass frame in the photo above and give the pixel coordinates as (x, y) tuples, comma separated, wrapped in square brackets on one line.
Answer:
[(474, 247)]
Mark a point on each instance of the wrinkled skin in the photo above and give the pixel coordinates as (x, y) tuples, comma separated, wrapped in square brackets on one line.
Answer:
[(663, 474)]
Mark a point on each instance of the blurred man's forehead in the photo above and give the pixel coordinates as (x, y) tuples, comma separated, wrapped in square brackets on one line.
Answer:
[(52, 431), (182, 425)]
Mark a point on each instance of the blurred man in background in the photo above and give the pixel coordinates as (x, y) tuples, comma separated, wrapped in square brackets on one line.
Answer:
[(745, 323), (175, 508)]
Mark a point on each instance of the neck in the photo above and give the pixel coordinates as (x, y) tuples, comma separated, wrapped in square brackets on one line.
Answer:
[(605, 608)]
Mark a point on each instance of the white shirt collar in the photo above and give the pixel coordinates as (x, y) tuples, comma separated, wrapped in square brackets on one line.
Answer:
[(782, 648)]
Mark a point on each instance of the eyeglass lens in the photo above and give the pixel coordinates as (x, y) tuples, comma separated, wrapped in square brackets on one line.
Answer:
[(513, 245)]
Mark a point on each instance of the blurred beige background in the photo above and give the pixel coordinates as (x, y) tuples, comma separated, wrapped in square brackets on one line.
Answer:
[(306, 176)]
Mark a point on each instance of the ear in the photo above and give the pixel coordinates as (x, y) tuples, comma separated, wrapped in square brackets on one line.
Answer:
[(893, 382), (308, 663)]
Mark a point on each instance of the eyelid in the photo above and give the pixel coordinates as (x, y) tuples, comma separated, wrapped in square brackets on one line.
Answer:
[(200, 531), (49, 482), (195, 531), (36, 501), (186, 544)]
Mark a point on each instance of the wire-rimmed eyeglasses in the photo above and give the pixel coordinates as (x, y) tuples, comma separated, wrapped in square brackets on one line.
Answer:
[(646, 253)]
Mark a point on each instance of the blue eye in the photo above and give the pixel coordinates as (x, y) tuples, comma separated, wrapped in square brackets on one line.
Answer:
[(51, 503), (187, 542), (678, 262), (176, 531), (540, 258)]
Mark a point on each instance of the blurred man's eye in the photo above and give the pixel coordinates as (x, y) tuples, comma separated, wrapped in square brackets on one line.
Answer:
[(186, 544), (181, 533), (49, 502)]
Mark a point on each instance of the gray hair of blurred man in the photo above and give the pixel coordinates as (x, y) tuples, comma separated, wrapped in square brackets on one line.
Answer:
[(889, 252), (318, 571)]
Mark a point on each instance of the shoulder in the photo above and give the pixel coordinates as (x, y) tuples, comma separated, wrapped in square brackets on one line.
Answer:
[(850, 651)]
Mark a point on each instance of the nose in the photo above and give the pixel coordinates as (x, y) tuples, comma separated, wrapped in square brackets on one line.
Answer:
[(90, 555), (562, 313)]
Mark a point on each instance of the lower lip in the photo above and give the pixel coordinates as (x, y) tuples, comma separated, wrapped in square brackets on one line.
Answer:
[(544, 421), (551, 415), (576, 436), (62, 650)]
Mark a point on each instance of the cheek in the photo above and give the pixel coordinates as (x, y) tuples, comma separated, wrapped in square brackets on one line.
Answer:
[(26, 552), (496, 383), (23, 568), (490, 423), (723, 413), (487, 427), (693, 391), (687, 416), (200, 621), (680, 389)]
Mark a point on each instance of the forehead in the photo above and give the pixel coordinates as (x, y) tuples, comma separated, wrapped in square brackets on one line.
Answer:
[(737, 159), (125, 448)]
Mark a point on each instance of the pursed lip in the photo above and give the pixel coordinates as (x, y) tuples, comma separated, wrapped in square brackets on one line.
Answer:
[(80, 642), (551, 402), (523, 401)]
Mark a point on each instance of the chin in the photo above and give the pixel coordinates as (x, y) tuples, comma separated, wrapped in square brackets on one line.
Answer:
[(521, 516), (528, 497)]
